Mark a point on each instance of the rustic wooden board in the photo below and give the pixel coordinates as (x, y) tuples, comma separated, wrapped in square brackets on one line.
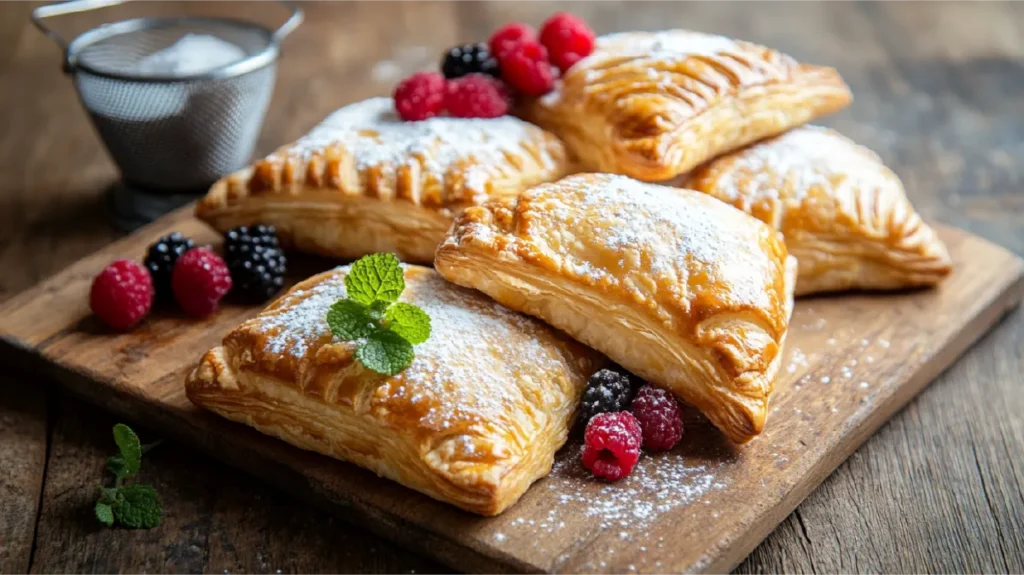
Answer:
[(851, 362)]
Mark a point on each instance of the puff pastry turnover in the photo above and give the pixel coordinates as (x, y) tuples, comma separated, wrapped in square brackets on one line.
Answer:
[(845, 216), (473, 421), (364, 181), (679, 288), (653, 105)]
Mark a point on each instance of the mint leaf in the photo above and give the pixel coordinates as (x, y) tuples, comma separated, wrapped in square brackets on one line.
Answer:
[(108, 495), (378, 309), (104, 513), (138, 507), (385, 352), (350, 320), (408, 321), (376, 277), (131, 451), (116, 465)]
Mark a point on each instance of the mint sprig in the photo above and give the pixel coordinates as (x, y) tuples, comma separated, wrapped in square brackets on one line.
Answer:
[(137, 505), (385, 328)]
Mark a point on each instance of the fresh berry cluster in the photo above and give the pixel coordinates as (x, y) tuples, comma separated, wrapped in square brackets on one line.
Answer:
[(478, 80), (194, 277), (621, 414), (256, 262)]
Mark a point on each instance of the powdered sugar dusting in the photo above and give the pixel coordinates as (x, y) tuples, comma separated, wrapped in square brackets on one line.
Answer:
[(374, 135), (666, 43), (787, 167), (655, 232), (661, 46), (296, 326), (473, 339), (658, 484), (192, 54)]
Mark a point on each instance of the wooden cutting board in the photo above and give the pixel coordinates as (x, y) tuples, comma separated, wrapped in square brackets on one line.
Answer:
[(850, 363)]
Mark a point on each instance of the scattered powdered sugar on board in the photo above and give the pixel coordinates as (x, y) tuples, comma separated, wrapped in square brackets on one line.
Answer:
[(192, 54), (797, 161), (797, 360), (657, 232), (374, 135), (478, 363), (658, 484)]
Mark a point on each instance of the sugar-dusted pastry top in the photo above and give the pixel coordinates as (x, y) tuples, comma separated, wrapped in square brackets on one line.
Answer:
[(653, 105), (845, 215), (366, 149), (680, 254), (473, 420), (792, 166), (364, 181), (676, 286)]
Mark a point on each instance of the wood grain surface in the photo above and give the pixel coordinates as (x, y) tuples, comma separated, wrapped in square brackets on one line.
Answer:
[(850, 363), (939, 94)]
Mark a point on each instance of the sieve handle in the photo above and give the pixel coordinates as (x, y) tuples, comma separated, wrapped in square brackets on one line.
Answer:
[(61, 8), (291, 23)]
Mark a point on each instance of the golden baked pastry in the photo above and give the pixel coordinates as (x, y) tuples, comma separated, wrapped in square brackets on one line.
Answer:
[(653, 105), (681, 289), (473, 421), (845, 216), (364, 181)]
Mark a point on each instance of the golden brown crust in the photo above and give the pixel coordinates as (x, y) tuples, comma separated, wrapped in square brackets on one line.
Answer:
[(363, 181), (655, 105), (473, 421), (845, 216), (679, 288)]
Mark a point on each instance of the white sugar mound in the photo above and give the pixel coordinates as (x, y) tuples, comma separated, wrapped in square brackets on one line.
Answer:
[(191, 55)]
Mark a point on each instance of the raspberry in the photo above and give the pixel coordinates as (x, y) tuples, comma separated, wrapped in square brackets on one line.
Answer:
[(526, 69), (567, 38), (476, 96), (607, 391), (509, 35), (612, 445), (660, 418), (200, 280), (420, 96), (121, 294), (468, 59)]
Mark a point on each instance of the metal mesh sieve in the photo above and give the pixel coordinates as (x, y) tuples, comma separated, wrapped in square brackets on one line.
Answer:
[(176, 132)]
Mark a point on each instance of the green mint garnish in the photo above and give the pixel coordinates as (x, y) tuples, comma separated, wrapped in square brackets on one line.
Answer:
[(385, 352), (135, 506), (138, 507), (351, 320), (371, 314), (408, 321), (126, 464), (374, 278)]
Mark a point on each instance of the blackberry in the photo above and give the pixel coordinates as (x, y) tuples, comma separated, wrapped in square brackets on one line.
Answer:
[(607, 391), (160, 260), (256, 262), (469, 59)]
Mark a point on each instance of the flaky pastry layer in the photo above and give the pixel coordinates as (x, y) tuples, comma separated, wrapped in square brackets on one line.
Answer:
[(473, 421), (681, 289), (845, 216), (653, 105), (364, 181)]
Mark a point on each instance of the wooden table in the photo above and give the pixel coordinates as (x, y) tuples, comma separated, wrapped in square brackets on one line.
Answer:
[(939, 94)]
